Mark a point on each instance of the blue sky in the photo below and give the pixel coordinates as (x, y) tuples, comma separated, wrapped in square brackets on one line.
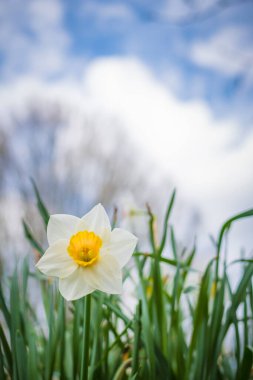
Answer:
[(167, 43), (199, 51), (178, 74)]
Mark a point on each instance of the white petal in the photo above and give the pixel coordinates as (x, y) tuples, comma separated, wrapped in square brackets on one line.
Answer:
[(105, 275), (75, 286), (97, 221), (56, 260), (122, 245), (61, 226)]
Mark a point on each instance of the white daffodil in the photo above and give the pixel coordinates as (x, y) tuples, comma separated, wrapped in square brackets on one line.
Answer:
[(86, 254)]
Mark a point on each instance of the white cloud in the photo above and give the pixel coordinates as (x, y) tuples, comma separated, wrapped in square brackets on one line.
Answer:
[(184, 11), (210, 167), (33, 39), (107, 11), (176, 10), (229, 51), (202, 155)]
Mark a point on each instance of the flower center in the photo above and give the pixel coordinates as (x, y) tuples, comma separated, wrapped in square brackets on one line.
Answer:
[(84, 248)]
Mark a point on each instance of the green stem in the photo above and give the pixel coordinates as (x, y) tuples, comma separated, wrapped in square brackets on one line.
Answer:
[(86, 339), (137, 339)]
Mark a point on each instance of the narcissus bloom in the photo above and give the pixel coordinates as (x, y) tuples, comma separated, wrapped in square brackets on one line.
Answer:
[(85, 254)]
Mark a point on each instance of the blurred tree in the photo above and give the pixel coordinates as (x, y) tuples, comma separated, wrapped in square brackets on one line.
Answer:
[(75, 161)]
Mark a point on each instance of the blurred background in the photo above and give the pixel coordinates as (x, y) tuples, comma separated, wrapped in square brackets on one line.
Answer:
[(119, 102)]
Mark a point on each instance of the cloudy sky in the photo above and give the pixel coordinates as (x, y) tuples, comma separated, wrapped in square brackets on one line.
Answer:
[(178, 73)]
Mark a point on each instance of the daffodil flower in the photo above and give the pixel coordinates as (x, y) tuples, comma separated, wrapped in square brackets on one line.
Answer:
[(85, 254)]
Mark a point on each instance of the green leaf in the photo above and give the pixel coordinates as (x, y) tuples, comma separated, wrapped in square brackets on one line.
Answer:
[(29, 235), (122, 370), (246, 365), (61, 328), (166, 221), (2, 374), (238, 297), (51, 345), (173, 244), (225, 227), (137, 339), (6, 349), (21, 356), (32, 357), (200, 318), (40, 204), (15, 321), (3, 307), (173, 263), (189, 289), (115, 309), (146, 325), (163, 368)]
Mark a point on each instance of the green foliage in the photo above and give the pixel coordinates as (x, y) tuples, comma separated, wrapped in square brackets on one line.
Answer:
[(188, 326)]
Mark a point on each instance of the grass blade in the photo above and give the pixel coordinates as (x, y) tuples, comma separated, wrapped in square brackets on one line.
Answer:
[(40, 204)]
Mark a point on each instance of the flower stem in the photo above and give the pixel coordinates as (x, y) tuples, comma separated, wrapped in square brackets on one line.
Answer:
[(86, 338)]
